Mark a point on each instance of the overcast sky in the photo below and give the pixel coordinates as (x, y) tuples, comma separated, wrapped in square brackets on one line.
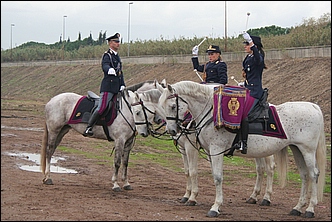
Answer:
[(44, 21)]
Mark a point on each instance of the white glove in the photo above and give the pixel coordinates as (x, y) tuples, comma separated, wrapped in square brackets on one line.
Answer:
[(122, 88), (241, 84), (247, 37), (111, 71), (195, 50)]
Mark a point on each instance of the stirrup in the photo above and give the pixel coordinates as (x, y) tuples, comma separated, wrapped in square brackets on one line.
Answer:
[(243, 147), (88, 132), (237, 146)]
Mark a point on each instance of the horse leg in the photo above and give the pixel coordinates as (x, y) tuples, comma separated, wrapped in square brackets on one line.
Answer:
[(186, 196), (117, 163), (262, 164), (192, 163), (53, 139), (125, 162), (269, 167), (299, 160), (309, 173), (260, 167), (217, 172)]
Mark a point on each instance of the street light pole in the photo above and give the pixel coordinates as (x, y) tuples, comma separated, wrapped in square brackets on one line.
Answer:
[(64, 27), (63, 37), (11, 41), (130, 3), (225, 28)]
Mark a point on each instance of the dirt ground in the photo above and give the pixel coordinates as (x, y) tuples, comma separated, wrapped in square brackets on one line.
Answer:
[(88, 195)]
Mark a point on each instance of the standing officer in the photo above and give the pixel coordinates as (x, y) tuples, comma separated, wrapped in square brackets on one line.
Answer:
[(112, 83), (215, 70)]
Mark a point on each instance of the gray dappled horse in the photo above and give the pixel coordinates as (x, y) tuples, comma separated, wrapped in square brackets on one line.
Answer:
[(302, 122), (122, 131), (186, 141)]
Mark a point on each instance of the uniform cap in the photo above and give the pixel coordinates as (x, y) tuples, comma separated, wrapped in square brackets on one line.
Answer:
[(213, 48), (116, 36)]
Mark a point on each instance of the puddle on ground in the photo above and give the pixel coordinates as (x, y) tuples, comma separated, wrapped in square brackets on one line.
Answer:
[(35, 158)]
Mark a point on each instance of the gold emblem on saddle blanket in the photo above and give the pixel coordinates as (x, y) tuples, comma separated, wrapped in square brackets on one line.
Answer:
[(233, 106)]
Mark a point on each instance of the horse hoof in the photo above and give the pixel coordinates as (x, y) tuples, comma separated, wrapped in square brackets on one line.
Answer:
[(191, 203), (309, 214), (295, 213), (117, 189), (48, 182), (127, 187), (265, 203), (184, 200), (212, 213), (251, 201)]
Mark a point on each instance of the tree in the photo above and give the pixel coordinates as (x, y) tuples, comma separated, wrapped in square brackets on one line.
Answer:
[(90, 40), (79, 37)]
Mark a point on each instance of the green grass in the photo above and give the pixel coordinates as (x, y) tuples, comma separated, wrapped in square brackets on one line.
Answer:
[(163, 152)]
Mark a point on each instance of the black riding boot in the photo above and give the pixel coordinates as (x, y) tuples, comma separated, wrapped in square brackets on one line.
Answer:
[(244, 134), (93, 119)]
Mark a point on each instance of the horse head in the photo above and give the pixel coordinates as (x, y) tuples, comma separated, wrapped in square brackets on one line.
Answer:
[(144, 112), (175, 108)]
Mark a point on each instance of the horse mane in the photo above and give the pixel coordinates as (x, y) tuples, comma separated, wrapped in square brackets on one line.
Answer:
[(189, 88), (137, 86), (152, 95)]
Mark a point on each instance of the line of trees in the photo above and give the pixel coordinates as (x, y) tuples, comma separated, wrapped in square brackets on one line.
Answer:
[(310, 33)]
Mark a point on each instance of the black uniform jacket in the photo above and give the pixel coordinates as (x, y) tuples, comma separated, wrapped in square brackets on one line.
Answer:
[(216, 72), (253, 65), (111, 83)]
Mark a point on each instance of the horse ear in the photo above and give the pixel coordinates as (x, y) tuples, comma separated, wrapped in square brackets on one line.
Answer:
[(160, 87), (169, 87), (136, 95), (155, 83), (163, 83)]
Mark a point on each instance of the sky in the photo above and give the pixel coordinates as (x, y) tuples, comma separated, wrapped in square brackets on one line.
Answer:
[(46, 21)]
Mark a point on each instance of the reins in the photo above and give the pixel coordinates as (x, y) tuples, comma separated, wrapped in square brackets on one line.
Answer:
[(149, 126), (197, 128)]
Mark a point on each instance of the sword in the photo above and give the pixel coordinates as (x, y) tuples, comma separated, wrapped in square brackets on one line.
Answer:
[(199, 76), (233, 78), (202, 41), (195, 70)]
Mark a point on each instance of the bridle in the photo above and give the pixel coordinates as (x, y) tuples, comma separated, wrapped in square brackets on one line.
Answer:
[(196, 129), (179, 121), (144, 109)]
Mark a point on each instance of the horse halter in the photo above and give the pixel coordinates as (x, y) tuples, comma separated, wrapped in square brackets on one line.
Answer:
[(176, 118), (144, 108)]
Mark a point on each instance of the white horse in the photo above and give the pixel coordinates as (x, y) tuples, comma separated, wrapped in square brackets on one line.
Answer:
[(186, 142), (122, 131), (302, 122)]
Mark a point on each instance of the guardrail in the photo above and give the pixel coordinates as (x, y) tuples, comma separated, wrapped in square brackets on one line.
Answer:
[(272, 54)]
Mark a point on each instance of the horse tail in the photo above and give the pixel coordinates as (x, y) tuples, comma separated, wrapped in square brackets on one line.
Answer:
[(321, 161), (43, 150), (281, 160)]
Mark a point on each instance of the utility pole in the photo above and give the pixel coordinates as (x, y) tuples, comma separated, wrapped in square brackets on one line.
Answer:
[(11, 41), (225, 28)]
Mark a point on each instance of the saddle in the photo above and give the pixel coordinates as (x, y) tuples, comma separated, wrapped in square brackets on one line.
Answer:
[(87, 104), (234, 107)]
